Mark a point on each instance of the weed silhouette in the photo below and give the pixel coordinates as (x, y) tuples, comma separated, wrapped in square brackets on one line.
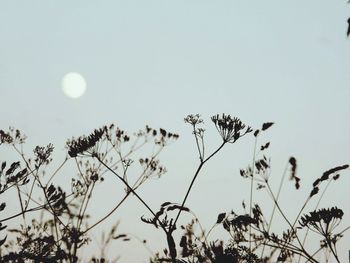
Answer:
[(61, 224)]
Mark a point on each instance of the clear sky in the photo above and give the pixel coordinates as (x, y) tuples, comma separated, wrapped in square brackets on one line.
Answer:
[(153, 62)]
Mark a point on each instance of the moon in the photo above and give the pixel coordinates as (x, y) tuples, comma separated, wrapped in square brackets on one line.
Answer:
[(73, 85)]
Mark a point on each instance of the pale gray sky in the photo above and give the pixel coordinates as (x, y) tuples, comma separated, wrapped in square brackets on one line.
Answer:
[(154, 62)]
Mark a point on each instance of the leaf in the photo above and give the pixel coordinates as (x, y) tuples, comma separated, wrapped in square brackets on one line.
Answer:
[(314, 191), (256, 133), (120, 236), (226, 225), (25, 181), (292, 161), (2, 206), (3, 166), (297, 182), (50, 190), (165, 204), (333, 170), (149, 221), (20, 174), (263, 147), (170, 208), (221, 217), (266, 125), (2, 227), (260, 186), (3, 241), (12, 168)]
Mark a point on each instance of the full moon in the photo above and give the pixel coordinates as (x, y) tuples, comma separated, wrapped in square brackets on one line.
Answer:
[(73, 85)]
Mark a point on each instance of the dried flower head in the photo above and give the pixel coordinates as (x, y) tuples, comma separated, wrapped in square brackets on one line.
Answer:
[(5, 137), (13, 136), (193, 119), (323, 220), (230, 129), (165, 136), (326, 175), (83, 143), (296, 179), (43, 154)]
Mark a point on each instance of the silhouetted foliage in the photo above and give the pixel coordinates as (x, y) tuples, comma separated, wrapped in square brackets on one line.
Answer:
[(55, 222)]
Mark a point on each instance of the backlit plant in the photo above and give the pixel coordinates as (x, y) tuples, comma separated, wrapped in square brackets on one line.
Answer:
[(55, 223)]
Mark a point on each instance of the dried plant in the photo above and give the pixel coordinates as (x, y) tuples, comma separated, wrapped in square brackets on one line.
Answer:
[(61, 225)]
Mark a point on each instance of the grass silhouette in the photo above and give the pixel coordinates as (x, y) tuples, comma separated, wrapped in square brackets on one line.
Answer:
[(61, 224)]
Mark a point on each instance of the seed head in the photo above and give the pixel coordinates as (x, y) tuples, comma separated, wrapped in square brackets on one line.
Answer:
[(230, 129), (83, 143)]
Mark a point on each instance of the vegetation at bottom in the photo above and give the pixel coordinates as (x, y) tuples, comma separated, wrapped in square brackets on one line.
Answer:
[(53, 223)]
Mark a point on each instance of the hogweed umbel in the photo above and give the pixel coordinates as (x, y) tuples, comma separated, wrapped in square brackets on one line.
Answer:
[(230, 129), (83, 144)]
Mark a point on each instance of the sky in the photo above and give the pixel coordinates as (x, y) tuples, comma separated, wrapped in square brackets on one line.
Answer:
[(153, 62)]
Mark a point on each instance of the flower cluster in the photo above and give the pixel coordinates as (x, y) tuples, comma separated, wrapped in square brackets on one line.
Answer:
[(193, 119), (12, 137), (42, 154), (322, 220), (293, 163), (152, 166), (115, 135), (13, 174), (230, 129), (82, 144), (165, 136), (327, 176), (5, 137), (160, 136)]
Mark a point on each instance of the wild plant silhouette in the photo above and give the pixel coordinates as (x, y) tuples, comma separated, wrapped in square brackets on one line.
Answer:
[(61, 224)]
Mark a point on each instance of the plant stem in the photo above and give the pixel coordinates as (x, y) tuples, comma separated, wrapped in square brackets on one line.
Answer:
[(274, 206), (251, 195), (129, 187), (193, 180), (106, 216), (290, 225)]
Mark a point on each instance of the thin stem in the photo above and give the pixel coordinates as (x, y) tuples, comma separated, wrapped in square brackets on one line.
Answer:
[(106, 216), (332, 250), (81, 216), (21, 204), (135, 186), (30, 194), (55, 172), (290, 225), (318, 203), (131, 190), (36, 176), (193, 180), (251, 195), (24, 212), (197, 143), (278, 195), (274, 206)]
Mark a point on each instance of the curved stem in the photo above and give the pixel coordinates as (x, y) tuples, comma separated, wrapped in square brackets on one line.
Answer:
[(130, 189), (193, 180), (106, 216)]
